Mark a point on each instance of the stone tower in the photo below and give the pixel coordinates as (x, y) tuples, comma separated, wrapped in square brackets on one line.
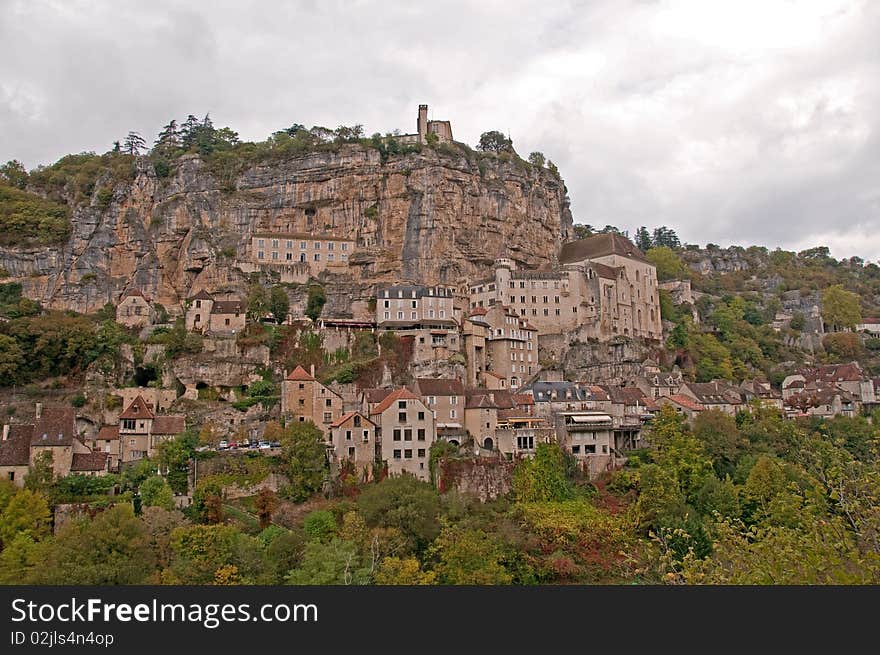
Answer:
[(422, 123)]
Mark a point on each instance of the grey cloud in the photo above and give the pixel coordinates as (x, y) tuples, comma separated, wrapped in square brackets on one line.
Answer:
[(729, 140)]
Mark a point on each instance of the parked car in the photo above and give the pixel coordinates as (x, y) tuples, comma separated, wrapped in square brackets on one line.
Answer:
[(265, 445), (253, 445), (275, 444), (233, 445), (223, 445)]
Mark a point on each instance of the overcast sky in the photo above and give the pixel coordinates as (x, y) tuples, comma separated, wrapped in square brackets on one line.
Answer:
[(747, 122)]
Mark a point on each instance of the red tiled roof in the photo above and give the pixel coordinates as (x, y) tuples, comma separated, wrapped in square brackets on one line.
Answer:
[(478, 311), (137, 409), (55, 427), (393, 397), (93, 461), (300, 374), (685, 401), (108, 433), (168, 425), (523, 399), (16, 450), (134, 292)]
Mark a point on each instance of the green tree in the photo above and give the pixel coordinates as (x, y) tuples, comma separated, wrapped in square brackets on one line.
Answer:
[(14, 174), (155, 491), (304, 455), (405, 503), (27, 513), (841, 309), (537, 159), (721, 439), (11, 356), (41, 474), (320, 525), (643, 239), (112, 548), (469, 557), (669, 265), (315, 302), (336, 562), (199, 551), (403, 571), (257, 302), (133, 143), (494, 141), (174, 458), (279, 303), (543, 477)]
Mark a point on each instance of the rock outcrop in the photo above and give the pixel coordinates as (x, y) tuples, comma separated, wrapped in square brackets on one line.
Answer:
[(435, 216)]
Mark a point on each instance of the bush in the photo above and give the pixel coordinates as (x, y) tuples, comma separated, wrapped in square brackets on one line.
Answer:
[(27, 219), (78, 401)]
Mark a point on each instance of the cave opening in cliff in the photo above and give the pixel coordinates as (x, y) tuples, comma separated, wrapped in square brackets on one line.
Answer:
[(145, 374)]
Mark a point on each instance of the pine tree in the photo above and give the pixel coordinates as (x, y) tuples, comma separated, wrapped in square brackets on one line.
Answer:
[(134, 143), (169, 138), (643, 239), (189, 131)]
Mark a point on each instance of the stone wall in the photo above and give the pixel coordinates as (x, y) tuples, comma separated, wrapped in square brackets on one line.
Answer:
[(486, 478)]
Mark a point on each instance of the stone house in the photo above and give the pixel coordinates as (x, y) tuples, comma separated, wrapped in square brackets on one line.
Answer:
[(657, 384), (15, 453), (107, 441), (206, 314), (354, 439), (134, 309), (303, 398), (684, 405), (54, 432), (590, 437), (717, 394), (441, 129), (826, 402), (141, 431), (761, 391), (511, 348), (406, 433), (474, 338), (446, 399)]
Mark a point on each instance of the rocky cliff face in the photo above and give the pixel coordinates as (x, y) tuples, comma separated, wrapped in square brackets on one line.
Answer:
[(433, 217)]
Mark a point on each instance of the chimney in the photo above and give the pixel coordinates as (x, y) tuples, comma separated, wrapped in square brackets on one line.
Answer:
[(38, 410), (5, 432), (312, 370)]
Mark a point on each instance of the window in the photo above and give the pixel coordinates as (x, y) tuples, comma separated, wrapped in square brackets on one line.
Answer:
[(289, 256), (407, 434), (345, 246), (328, 417), (261, 242), (396, 454), (604, 449), (415, 303), (128, 424), (453, 400), (407, 453), (330, 257), (576, 450), (330, 246), (396, 434), (432, 400), (421, 452), (366, 436), (317, 245), (421, 416), (227, 321), (348, 435), (401, 404), (317, 256), (351, 451), (357, 421), (302, 386), (545, 300), (401, 417), (274, 243), (328, 402), (452, 413), (386, 316), (420, 434), (302, 402), (302, 245), (290, 244)]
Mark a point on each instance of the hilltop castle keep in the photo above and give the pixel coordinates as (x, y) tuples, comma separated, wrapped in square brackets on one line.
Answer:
[(424, 127)]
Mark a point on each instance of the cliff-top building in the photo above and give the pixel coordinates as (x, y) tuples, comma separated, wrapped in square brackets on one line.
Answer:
[(424, 127)]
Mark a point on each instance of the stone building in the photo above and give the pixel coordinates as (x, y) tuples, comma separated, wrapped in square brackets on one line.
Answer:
[(303, 398), (603, 287), (354, 440), (424, 127), (426, 314), (717, 394), (446, 400), (297, 256), (141, 430), (684, 405), (214, 316), (53, 432), (406, 433), (134, 309)]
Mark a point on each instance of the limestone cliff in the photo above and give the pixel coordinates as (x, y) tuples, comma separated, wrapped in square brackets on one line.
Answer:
[(435, 216)]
